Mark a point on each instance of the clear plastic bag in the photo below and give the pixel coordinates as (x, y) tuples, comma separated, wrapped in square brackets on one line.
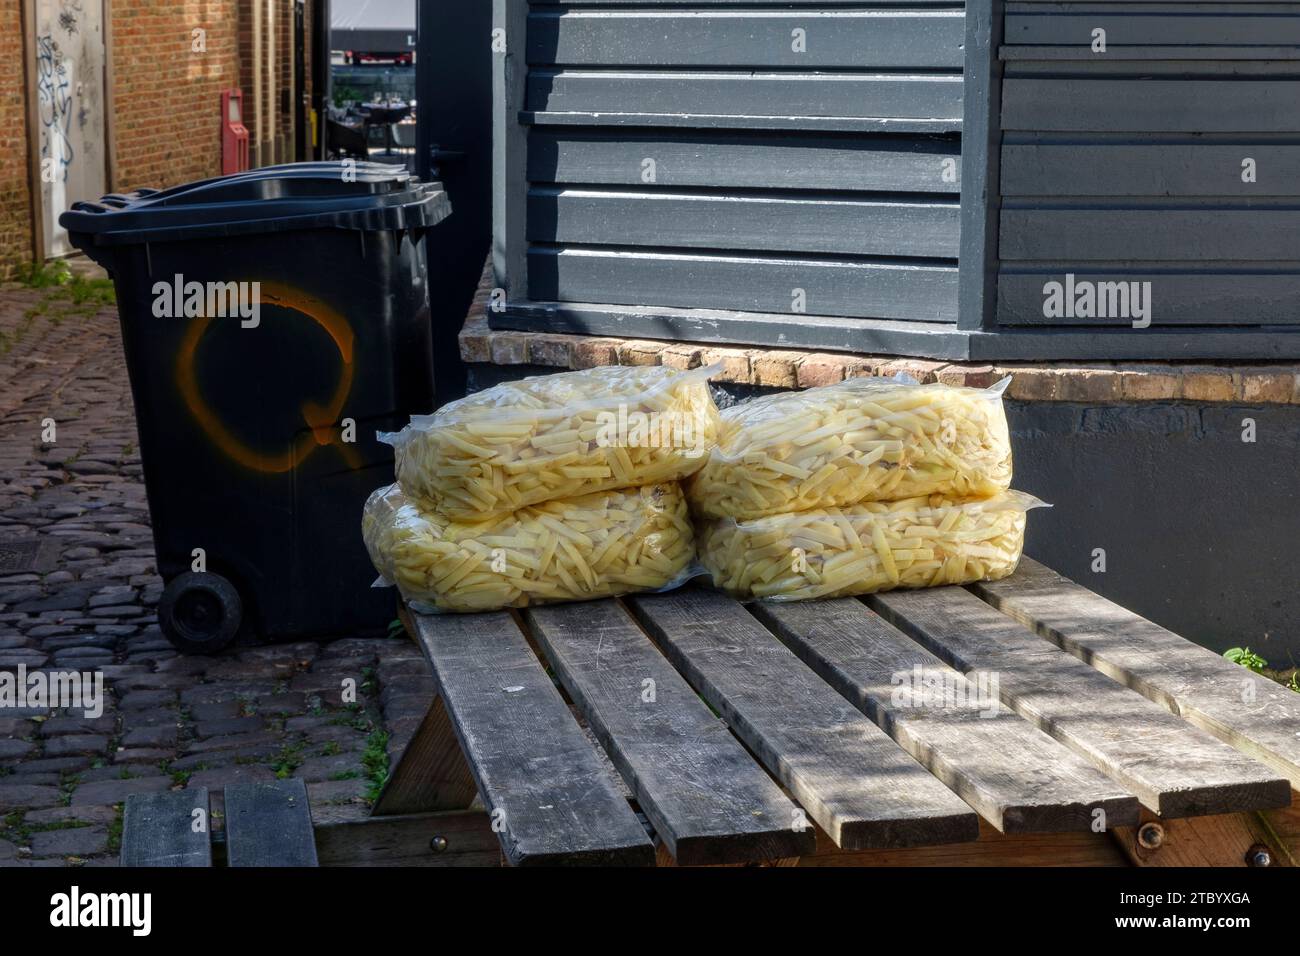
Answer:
[(597, 545), (860, 549), (557, 436), (863, 439)]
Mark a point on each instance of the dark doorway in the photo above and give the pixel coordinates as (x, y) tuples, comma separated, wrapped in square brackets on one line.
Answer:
[(320, 74), (454, 145)]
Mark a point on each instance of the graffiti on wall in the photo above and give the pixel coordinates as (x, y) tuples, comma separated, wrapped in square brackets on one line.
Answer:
[(54, 92), (70, 58)]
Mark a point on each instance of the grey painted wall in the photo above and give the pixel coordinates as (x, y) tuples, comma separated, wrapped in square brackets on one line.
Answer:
[(1201, 530), (680, 155)]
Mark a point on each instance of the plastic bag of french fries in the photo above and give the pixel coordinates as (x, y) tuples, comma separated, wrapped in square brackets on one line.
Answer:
[(557, 436), (875, 546), (863, 439), (598, 545)]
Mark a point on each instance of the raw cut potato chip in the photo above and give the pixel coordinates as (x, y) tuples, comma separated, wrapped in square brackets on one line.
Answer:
[(593, 546), (860, 549), (863, 439), (557, 436)]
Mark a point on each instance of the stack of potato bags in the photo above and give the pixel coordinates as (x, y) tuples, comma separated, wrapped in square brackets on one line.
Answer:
[(862, 486), (554, 488)]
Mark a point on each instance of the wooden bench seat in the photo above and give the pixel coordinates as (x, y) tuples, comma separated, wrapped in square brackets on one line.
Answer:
[(1018, 779), (859, 786), (266, 824), (784, 733), (705, 796), (549, 798), (1175, 769), (1248, 711), (1027, 721), (161, 829)]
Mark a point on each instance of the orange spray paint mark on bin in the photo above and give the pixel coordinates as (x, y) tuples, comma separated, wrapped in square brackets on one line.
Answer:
[(322, 420)]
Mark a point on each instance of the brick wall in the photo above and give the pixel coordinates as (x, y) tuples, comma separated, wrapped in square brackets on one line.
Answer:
[(15, 191), (306, 69), (277, 35), (284, 82), (166, 99)]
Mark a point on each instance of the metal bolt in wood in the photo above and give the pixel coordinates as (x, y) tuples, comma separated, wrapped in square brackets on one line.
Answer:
[(1151, 836), (1259, 855)]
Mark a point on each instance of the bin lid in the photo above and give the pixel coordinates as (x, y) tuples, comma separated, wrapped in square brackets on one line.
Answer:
[(317, 195)]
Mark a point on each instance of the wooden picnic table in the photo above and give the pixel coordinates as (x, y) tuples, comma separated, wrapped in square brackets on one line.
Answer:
[(689, 729)]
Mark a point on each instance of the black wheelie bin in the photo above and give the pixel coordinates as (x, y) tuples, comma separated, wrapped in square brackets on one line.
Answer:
[(273, 321)]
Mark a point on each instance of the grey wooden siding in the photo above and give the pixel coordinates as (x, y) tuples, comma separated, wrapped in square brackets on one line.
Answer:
[(912, 182), (787, 222), (897, 164), (1180, 297), (1126, 165), (1187, 31), (858, 39), (648, 93), (1178, 170), (822, 182), (746, 283)]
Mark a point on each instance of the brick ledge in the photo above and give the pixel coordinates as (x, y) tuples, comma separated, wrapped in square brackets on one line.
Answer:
[(1092, 382), (1099, 382)]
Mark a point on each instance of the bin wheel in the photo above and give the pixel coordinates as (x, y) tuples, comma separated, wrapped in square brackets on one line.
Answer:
[(200, 612)]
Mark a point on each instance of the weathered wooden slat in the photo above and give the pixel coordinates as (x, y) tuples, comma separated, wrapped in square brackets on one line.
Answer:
[(1014, 775), (727, 122), (1253, 713), (453, 838), (1211, 233), (665, 859), (829, 39), (1207, 296), (538, 775), (1073, 24), (1177, 170), (1071, 848), (167, 829), (1081, 54), (431, 774), (269, 824), (1020, 6), (706, 797), (775, 223), (1173, 768), (746, 93), (1245, 105), (926, 293), (876, 163), (728, 326), (883, 336), (855, 782), (1176, 70), (1214, 344)]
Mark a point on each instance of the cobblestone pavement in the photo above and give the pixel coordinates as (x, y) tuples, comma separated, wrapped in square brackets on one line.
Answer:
[(169, 721)]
